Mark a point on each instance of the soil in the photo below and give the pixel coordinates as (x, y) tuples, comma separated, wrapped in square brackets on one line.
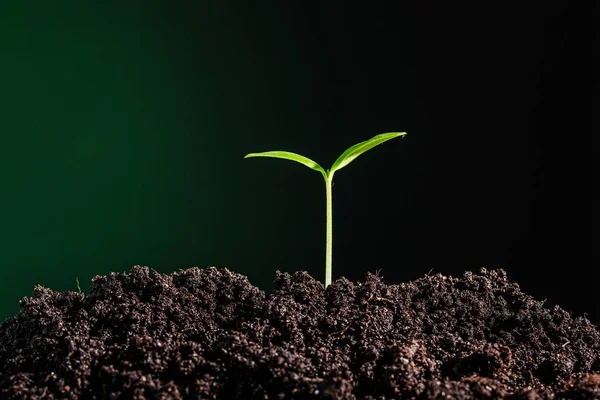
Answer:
[(210, 334)]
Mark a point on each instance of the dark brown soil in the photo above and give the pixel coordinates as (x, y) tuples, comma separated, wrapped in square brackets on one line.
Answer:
[(210, 334)]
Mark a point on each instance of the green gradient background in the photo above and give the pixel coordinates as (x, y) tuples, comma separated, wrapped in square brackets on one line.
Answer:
[(122, 135), (123, 126)]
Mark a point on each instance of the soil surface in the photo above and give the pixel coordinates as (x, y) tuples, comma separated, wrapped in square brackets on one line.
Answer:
[(210, 334)]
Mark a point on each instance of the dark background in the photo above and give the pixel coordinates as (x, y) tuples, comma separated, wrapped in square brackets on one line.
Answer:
[(124, 125)]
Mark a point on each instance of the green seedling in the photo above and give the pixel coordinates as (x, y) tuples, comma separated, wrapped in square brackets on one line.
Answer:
[(346, 158)]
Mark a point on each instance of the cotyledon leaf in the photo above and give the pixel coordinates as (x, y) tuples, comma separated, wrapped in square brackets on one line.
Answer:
[(346, 158), (286, 155), (349, 155)]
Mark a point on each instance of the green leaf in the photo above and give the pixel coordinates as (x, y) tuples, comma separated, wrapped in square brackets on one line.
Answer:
[(286, 155), (349, 155)]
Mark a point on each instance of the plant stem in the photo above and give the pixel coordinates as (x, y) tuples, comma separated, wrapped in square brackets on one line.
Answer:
[(329, 234)]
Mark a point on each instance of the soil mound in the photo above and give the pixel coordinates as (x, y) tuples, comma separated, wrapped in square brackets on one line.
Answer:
[(210, 334)]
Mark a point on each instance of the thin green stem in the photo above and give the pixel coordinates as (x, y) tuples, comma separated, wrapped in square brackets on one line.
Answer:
[(329, 233)]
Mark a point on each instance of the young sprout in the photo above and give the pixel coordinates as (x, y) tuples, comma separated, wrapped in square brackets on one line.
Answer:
[(346, 158)]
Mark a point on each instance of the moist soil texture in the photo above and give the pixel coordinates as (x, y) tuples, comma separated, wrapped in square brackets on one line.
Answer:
[(210, 334)]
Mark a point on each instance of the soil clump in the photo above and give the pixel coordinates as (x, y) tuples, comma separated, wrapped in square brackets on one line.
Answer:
[(210, 334)]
